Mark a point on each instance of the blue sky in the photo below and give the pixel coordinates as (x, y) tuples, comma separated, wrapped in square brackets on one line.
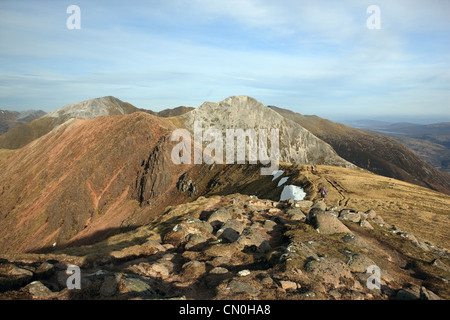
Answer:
[(310, 56)]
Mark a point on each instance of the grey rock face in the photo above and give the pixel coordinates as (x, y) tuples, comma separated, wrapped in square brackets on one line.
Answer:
[(297, 145), (91, 108)]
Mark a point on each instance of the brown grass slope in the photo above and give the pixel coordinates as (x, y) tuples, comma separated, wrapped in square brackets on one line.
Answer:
[(374, 152), (85, 176)]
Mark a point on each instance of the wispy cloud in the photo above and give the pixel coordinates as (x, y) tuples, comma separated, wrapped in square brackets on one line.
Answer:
[(315, 57)]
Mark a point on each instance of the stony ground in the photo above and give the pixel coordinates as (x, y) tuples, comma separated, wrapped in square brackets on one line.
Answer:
[(241, 247)]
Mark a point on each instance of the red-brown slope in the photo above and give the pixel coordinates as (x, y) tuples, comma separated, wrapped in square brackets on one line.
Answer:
[(84, 179)]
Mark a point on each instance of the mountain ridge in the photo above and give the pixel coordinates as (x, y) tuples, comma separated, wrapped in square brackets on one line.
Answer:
[(297, 145), (373, 151)]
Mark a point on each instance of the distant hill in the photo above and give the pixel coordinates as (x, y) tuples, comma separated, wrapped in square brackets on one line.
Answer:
[(430, 142), (373, 151), (178, 111), (11, 119), (25, 130)]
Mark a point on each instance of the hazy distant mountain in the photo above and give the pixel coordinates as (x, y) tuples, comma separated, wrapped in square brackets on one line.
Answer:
[(366, 123), (430, 142), (11, 119), (166, 113), (24, 132), (373, 151)]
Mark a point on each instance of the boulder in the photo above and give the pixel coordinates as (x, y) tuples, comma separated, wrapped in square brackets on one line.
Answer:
[(329, 270), (219, 216), (136, 284), (44, 270), (359, 263), (365, 224), (244, 273), (239, 287), (233, 224), (355, 240), (267, 281), (218, 270), (154, 270), (439, 264), (325, 223), (301, 249), (193, 269), (253, 238), (295, 214), (411, 293), (319, 204), (303, 204), (269, 224), (288, 285), (219, 261), (110, 285), (197, 226), (194, 240), (38, 290), (222, 250), (350, 216), (370, 214), (228, 235), (176, 237), (428, 294)]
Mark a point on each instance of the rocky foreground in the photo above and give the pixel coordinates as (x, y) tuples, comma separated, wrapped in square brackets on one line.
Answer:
[(241, 247)]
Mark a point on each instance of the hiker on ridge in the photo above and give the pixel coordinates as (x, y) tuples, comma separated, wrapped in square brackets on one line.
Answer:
[(323, 192)]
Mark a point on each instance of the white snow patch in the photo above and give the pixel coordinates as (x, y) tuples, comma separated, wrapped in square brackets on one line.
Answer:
[(276, 174), (282, 181), (291, 192)]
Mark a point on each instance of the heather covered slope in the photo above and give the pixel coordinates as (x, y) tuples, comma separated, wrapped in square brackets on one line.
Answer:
[(373, 151)]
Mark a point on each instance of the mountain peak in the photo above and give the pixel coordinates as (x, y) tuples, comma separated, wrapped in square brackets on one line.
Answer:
[(297, 145), (91, 108)]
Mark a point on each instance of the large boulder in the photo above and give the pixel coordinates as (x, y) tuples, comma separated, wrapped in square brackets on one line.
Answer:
[(350, 216), (329, 270), (253, 238), (38, 290), (295, 214), (219, 216), (360, 263), (239, 287), (193, 269), (325, 222), (319, 204)]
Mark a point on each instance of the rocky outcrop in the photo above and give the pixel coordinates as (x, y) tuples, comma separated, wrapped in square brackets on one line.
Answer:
[(155, 175), (297, 145)]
